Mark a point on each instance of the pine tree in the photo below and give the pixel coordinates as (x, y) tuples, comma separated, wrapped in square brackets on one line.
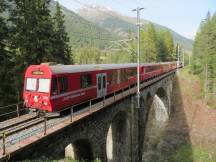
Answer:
[(6, 88), (211, 59), (32, 30), (166, 46), (162, 55), (149, 44), (169, 45), (204, 54), (61, 49), (44, 31)]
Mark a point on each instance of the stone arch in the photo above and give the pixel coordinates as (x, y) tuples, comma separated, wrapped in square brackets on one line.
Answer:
[(156, 120), (162, 94), (117, 138), (81, 149)]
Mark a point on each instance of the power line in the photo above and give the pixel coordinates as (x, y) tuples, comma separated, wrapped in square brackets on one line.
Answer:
[(84, 35)]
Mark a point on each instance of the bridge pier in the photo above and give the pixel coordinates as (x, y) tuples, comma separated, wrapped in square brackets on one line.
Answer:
[(154, 117)]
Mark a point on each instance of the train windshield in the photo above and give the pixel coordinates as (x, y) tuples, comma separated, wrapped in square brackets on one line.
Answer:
[(40, 85), (43, 85), (31, 84)]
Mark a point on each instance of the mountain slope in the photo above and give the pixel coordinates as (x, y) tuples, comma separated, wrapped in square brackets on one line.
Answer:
[(83, 32), (120, 24)]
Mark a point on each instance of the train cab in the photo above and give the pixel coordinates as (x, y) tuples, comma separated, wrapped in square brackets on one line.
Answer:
[(37, 87)]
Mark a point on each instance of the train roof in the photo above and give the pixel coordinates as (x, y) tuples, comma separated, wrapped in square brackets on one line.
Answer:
[(58, 69)]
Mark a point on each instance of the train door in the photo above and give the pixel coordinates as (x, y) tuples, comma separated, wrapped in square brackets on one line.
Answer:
[(101, 85)]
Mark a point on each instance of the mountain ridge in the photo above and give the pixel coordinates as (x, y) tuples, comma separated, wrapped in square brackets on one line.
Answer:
[(106, 19)]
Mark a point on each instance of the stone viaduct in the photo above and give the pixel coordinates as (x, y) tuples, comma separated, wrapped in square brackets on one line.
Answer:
[(113, 134)]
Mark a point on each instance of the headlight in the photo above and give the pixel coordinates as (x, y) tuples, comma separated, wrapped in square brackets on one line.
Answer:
[(45, 103)]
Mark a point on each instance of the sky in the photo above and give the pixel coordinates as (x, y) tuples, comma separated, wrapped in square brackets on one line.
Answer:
[(183, 16)]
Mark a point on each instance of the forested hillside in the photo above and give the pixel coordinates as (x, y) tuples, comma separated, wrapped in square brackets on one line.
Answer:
[(204, 57), (82, 32)]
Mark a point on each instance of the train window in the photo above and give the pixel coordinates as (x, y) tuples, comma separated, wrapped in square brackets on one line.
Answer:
[(131, 72), (43, 85), (31, 84), (86, 80), (113, 77), (63, 84), (134, 72), (124, 76), (104, 82), (152, 68), (54, 86), (99, 83)]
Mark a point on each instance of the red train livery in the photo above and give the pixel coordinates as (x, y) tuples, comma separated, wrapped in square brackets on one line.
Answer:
[(54, 87)]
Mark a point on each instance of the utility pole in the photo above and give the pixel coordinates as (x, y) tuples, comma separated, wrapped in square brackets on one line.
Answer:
[(138, 9), (206, 81), (189, 58), (183, 57), (178, 54)]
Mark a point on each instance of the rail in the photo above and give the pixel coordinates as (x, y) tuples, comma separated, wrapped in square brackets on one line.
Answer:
[(92, 106)]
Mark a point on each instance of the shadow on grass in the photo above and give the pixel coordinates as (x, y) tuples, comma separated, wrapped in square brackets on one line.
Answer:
[(177, 132)]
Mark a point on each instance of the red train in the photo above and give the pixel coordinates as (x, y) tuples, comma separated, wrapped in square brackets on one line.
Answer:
[(55, 87)]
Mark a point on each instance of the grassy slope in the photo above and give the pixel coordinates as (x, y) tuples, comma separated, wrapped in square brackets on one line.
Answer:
[(200, 121), (183, 154)]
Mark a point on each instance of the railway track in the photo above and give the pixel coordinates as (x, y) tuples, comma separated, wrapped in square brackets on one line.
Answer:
[(10, 123), (19, 126)]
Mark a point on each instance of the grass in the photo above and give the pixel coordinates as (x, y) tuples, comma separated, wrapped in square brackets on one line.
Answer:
[(191, 81), (211, 102), (64, 160), (71, 160), (196, 80), (188, 153)]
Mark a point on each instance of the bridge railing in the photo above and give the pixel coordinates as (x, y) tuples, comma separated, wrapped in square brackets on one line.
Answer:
[(90, 107), (11, 111)]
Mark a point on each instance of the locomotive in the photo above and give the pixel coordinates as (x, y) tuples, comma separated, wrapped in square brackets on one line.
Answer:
[(52, 87)]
